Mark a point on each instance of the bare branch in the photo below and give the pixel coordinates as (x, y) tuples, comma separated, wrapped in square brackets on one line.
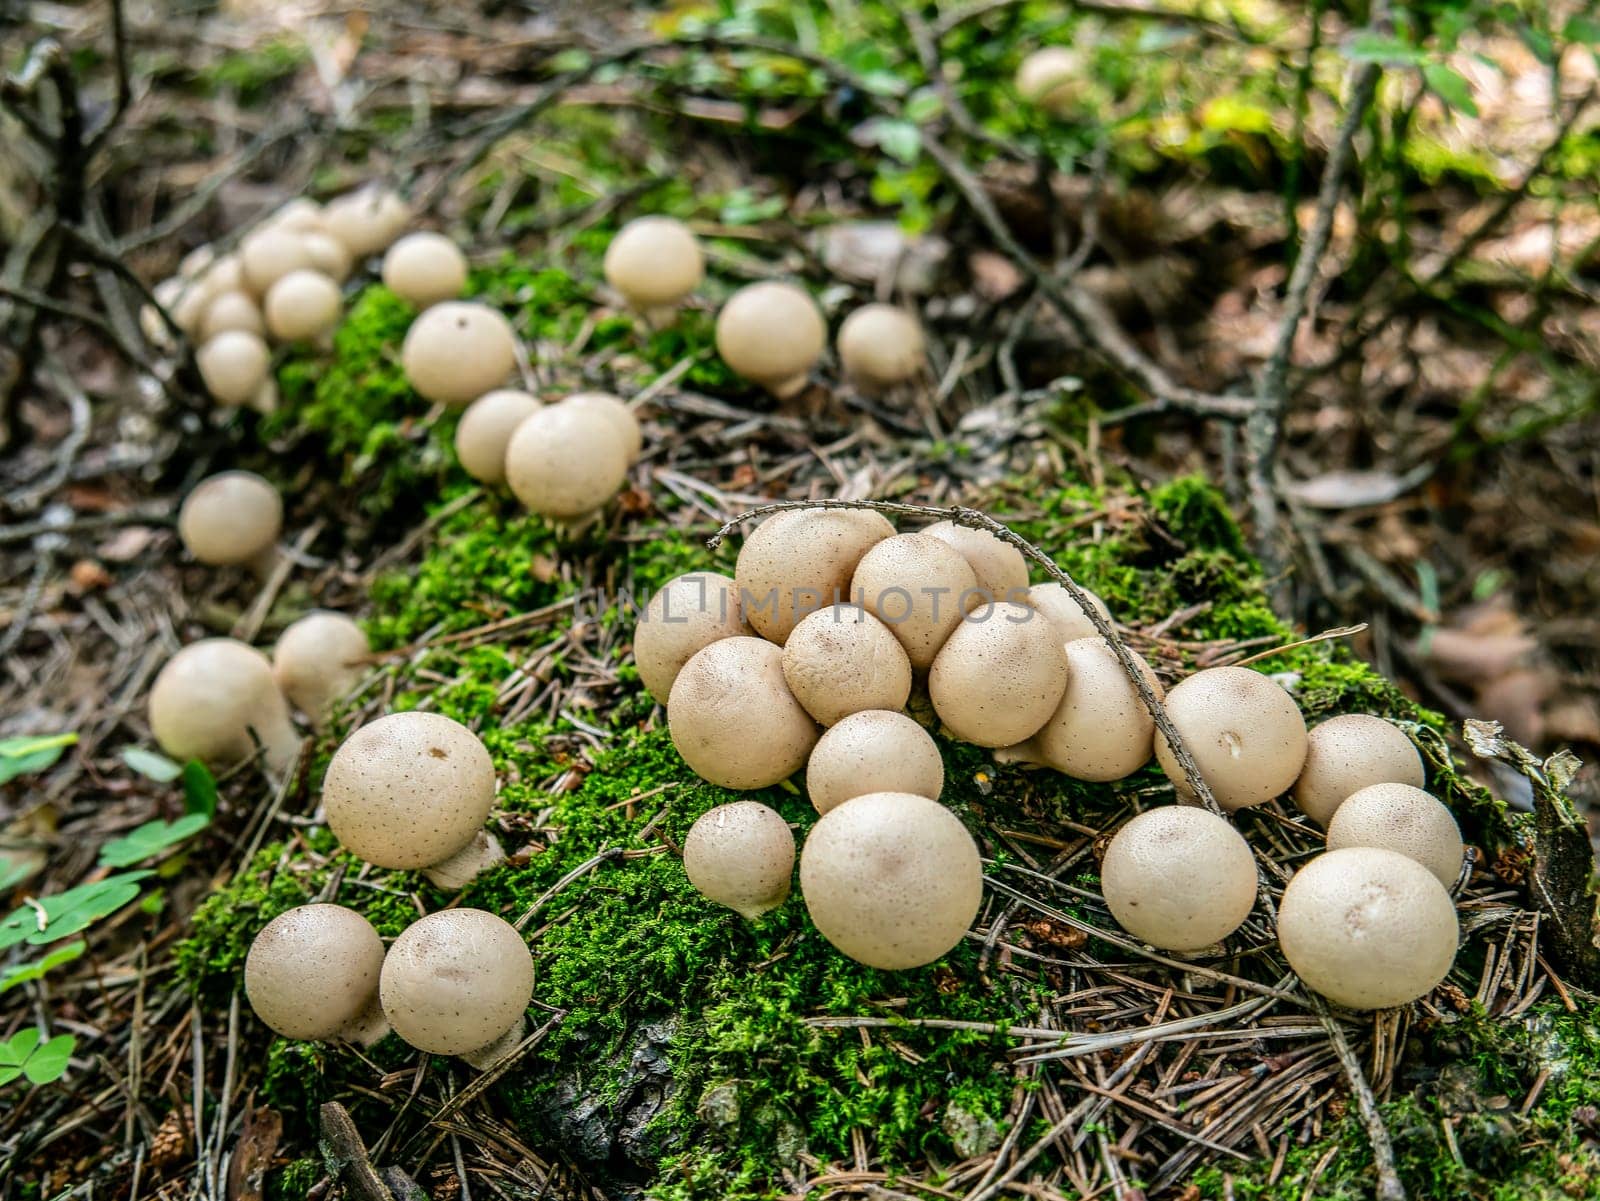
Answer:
[(1389, 1186)]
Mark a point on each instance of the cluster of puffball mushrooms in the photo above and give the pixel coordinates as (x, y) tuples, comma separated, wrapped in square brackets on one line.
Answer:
[(807, 657)]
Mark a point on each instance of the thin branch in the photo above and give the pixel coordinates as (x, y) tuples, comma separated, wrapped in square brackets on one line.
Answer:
[(119, 55), (1103, 8), (1389, 1186), (72, 312)]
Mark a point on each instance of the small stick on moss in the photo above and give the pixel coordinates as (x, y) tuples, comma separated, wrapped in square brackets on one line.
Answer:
[(1389, 1186), (975, 520)]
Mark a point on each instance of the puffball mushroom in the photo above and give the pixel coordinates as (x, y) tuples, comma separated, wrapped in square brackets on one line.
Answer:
[(1348, 753), (328, 255), (234, 365), (1056, 603), (742, 856), (1101, 730), (1244, 731), (412, 790), (1401, 818), (891, 879), (299, 215), (268, 253), (1046, 76), (302, 305), (214, 699), (618, 414), (318, 660), (230, 311), (456, 351), (425, 268), (999, 677), (458, 983), (841, 660), (312, 973), (1001, 570), (686, 615), (1179, 878), (485, 431), (771, 333), (366, 221), (881, 346), (1367, 928), (873, 751), (734, 720), (921, 588), (654, 262), (799, 561), (231, 519), (566, 461)]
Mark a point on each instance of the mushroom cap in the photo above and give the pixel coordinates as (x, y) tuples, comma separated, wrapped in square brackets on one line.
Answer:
[(1368, 928), (1045, 75), (921, 588), (841, 660), (224, 273), (1179, 878), (654, 261), (686, 615), (328, 255), (299, 215), (1401, 818), (230, 518), (1101, 730), (771, 333), (891, 879), (1056, 603), (873, 751), (318, 659), (408, 790), (301, 305), (566, 461), (881, 345), (485, 432), (1348, 753), (999, 676), (734, 720), (742, 856), (366, 220), (1001, 570), (268, 253), (1244, 731), (455, 981), (234, 365), (230, 310), (211, 697), (313, 971), (618, 414), (801, 560), (458, 350), (425, 268)]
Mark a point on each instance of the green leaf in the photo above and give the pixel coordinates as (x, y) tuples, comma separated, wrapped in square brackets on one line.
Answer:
[(25, 972), (23, 1056), (151, 765), (1370, 46), (199, 789), (33, 753), (923, 105), (900, 140), (1582, 29), (1450, 86), (151, 839), (69, 912)]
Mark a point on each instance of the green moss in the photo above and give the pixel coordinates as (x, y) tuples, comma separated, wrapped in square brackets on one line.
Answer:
[(293, 1181), (251, 74)]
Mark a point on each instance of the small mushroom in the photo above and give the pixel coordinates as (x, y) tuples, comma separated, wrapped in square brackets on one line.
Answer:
[(234, 365), (425, 268), (1348, 753), (565, 461), (734, 720), (1056, 603), (1001, 570), (881, 346), (328, 255), (224, 273), (1179, 878), (921, 588), (1399, 817), (412, 790), (230, 311), (214, 700), (686, 615), (458, 983), (802, 560), (458, 350), (873, 751), (742, 856), (771, 333), (1101, 730), (318, 660), (184, 303), (366, 221), (999, 677), (891, 879), (841, 660), (300, 215), (618, 414), (267, 254), (312, 973), (1368, 928), (1244, 731), (655, 262), (302, 306), (232, 519), (485, 432), (1048, 78)]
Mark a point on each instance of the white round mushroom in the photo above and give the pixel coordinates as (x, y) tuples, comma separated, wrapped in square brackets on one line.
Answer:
[(1368, 928), (328, 255), (1101, 730), (303, 305), (618, 414), (312, 973), (267, 254), (458, 350), (1244, 731), (1179, 878), (654, 262), (1001, 570), (802, 560), (230, 311), (1399, 817), (921, 588), (881, 346), (232, 519), (771, 333), (367, 220), (686, 615), (1348, 753), (565, 461), (485, 432), (214, 700), (742, 856), (873, 751), (734, 720), (999, 677), (841, 660), (1047, 78), (318, 660), (425, 268), (234, 365), (299, 215), (1056, 603)]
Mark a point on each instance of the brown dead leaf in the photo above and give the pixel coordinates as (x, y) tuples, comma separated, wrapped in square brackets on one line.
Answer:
[(252, 1155), (994, 277), (88, 576), (126, 544)]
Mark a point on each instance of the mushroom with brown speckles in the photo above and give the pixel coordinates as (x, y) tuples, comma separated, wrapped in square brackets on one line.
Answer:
[(1398, 817), (232, 519), (873, 751), (841, 660), (1001, 570), (485, 431), (1101, 730), (921, 588), (742, 856), (318, 660), (1056, 603), (686, 615), (733, 718), (312, 973), (801, 560), (425, 268), (458, 350), (654, 262), (1348, 753), (566, 461), (1244, 731), (1179, 878), (999, 676), (214, 700)]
